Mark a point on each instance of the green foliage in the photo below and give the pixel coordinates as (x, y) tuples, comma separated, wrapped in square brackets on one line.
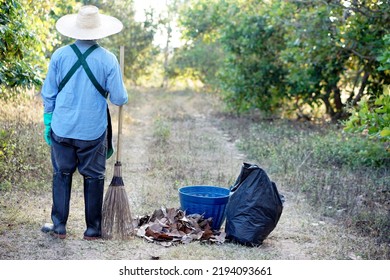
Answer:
[(243, 52), (27, 39), (349, 151), (194, 60), (202, 56), (137, 37), (313, 59), (371, 118), (252, 76), (279, 55), (16, 40), (384, 57), (332, 148), (47, 14)]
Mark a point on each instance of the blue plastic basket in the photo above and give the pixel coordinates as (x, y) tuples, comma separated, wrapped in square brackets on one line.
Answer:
[(209, 201)]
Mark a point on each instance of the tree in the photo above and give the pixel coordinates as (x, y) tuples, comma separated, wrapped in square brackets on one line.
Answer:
[(372, 116), (248, 71), (202, 55), (27, 39), (17, 69), (314, 59), (295, 55), (136, 37), (198, 61), (253, 75)]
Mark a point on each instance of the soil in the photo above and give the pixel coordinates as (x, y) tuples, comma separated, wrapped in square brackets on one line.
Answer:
[(171, 140)]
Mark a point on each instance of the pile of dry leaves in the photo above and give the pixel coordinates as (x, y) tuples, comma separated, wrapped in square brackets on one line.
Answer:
[(170, 226)]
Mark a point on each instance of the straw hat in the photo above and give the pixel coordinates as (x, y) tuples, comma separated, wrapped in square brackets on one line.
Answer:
[(88, 24)]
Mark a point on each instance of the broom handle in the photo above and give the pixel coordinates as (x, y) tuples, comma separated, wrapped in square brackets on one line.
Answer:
[(119, 144)]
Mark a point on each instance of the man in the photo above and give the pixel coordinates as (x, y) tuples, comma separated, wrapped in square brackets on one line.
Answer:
[(79, 79)]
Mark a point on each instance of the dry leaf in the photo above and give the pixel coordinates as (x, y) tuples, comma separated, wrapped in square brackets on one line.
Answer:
[(168, 226), (207, 233), (219, 239)]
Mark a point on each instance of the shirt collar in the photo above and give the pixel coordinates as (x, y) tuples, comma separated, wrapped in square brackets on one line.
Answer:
[(86, 43)]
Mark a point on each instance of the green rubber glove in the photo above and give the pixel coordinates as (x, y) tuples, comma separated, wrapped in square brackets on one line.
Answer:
[(110, 152), (47, 122)]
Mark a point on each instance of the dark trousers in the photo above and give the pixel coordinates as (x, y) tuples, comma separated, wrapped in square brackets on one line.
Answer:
[(89, 158)]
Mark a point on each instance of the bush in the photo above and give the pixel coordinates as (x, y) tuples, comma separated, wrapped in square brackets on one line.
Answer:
[(291, 145), (371, 118), (351, 151)]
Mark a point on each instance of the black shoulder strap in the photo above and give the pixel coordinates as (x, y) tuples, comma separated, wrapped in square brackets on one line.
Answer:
[(82, 62)]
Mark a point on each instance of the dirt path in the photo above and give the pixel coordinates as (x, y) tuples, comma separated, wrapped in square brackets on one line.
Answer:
[(171, 140)]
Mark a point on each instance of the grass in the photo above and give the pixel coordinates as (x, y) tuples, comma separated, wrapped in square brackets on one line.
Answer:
[(23, 152), (179, 155), (24, 168), (170, 143), (161, 130), (345, 177)]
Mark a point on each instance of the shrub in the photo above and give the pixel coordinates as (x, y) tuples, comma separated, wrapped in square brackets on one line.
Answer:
[(371, 118), (349, 150)]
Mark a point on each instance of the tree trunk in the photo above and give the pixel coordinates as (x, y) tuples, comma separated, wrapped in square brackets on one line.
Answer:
[(166, 49), (328, 105), (337, 99), (362, 87), (166, 56)]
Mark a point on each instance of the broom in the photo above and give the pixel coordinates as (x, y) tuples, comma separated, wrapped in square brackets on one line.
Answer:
[(116, 214)]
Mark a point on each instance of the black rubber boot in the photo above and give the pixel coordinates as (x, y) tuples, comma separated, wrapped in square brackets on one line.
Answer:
[(93, 199), (62, 185)]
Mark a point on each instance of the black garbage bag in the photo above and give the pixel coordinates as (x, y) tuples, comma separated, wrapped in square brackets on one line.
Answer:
[(254, 207)]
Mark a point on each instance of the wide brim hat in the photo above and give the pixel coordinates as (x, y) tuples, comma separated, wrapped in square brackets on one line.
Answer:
[(88, 24)]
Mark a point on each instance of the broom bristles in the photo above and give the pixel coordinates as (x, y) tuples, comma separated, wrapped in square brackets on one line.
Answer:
[(116, 215), (116, 182)]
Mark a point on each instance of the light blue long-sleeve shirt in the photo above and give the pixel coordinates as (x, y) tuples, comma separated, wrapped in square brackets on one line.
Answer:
[(79, 110)]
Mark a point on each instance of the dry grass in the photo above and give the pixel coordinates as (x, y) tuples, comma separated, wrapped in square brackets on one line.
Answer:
[(173, 139), (23, 154), (344, 177)]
